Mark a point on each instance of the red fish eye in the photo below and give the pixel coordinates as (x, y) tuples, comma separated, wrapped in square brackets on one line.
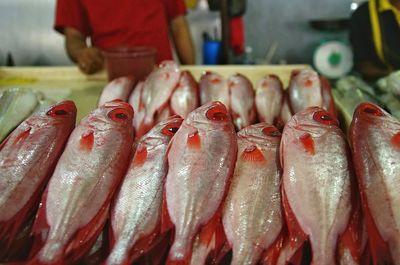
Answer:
[(57, 111), (217, 113), (271, 131), (118, 115), (170, 129), (371, 109), (324, 117)]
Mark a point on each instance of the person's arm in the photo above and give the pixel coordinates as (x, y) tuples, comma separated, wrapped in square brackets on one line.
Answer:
[(182, 40), (89, 59)]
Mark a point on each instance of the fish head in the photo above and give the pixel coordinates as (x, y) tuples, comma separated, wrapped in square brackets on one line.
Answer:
[(263, 134), (270, 82), (164, 130), (61, 113), (370, 113), (212, 115), (116, 113)]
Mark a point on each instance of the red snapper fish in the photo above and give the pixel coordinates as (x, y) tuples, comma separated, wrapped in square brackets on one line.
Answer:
[(157, 91), (328, 101), (269, 99), (252, 215), (75, 203), (242, 104), (201, 160), (185, 98), (375, 140), (136, 213), (27, 158), (214, 87), (304, 90), (119, 88), (316, 184)]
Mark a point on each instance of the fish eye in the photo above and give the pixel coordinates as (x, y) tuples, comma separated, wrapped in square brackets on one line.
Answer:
[(325, 117), (57, 111), (118, 115), (217, 113), (170, 129), (271, 131), (372, 109)]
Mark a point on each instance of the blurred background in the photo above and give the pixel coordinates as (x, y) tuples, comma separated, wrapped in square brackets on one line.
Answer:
[(275, 32)]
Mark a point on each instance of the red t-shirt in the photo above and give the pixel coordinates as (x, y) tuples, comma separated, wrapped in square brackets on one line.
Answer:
[(121, 23)]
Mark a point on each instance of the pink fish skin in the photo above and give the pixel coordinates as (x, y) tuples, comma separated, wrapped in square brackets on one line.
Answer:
[(135, 100), (75, 204), (375, 140), (136, 212), (304, 90), (185, 98), (242, 105), (214, 87), (285, 114), (157, 91), (27, 158), (269, 98), (119, 88), (252, 215), (328, 101), (198, 176), (316, 182)]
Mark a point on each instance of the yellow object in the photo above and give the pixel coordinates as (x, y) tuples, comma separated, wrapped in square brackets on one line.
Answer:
[(386, 5), (376, 27), (192, 4), (60, 83)]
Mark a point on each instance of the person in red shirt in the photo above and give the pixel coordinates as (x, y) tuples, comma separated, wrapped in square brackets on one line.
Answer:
[(109, 24)]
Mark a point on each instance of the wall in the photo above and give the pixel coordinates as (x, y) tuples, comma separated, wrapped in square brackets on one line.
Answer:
[(286, 22), (26, 32)]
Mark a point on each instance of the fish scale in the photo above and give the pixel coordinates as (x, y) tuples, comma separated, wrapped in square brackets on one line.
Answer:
[(316, 182), (27, 158), (76, 201), (376, 157), (198, 176)]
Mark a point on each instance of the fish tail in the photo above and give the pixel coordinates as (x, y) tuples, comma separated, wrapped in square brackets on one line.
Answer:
[(181, 251), (271, 255), (52, 253)]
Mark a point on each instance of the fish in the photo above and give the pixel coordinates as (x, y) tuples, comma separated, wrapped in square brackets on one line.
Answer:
[(252, 216), (214, 87), (285, 113), (136, 213), (135, 100), (304, 90), (269, 99), (16, 104), (375, 140), (201, 159), (327, 96), (316, 183), (75, 204), (27, 159), (185, 98), (119, 88), (157, 91), (242, 105)]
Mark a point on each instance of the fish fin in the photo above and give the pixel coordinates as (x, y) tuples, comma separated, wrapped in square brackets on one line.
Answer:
[(36, 261), (40, 227), (87, 141), (296, 236), (159, 250), (270, 255), (351, 239), (379, 250), (140, 155), (253, 155), (166, 223), (193, 141), (87, 235)]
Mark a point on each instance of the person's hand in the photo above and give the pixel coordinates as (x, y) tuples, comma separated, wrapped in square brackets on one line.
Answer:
[(90, 60)]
